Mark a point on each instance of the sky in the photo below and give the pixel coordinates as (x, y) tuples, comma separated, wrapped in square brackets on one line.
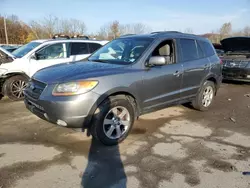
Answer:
[(199, 15)]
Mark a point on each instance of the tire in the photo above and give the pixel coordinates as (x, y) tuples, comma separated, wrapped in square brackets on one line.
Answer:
[(100, 130), (199, 102), (1, 96), (11, 87)]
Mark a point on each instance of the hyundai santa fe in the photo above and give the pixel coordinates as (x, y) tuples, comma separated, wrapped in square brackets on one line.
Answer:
[(128, 77)]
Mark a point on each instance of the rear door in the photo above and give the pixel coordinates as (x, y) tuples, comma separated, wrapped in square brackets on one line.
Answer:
[(93, 47), (79, 51), (195, 65)]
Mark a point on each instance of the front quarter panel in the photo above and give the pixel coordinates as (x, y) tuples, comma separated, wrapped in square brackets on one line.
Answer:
[(129, 82)]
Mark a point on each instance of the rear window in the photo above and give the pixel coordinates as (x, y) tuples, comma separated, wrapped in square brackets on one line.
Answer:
[(188, 49), (207, 48), (201, 53), (78, 48), (93, 47)]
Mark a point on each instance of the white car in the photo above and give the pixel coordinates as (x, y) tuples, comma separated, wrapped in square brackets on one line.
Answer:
[(21, 64)]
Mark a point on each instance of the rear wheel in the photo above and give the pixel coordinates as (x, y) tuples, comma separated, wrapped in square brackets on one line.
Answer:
[(205, 97), (14, 87), (113, 120)]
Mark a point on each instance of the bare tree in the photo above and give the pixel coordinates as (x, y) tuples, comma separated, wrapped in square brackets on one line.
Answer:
[(71, 27), (114, 29), (49, 23), (137, 28), (225, 30), (188, 30), (246, 31)]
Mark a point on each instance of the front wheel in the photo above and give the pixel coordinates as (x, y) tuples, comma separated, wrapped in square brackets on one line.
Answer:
[(14, 87), (205, 96), (113, 120)]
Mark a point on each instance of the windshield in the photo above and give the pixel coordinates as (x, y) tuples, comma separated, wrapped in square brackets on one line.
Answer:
[(23, 50), (121, 51)]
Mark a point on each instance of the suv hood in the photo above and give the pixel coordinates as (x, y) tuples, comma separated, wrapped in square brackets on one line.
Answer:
[(236, 44), (76, 71)]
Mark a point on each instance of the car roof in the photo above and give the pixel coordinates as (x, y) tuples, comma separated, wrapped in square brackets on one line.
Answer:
[(161, 34), (70, 40)]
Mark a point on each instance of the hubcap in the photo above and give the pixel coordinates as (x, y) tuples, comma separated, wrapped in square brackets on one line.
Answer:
[(207, 96), (17, 88), (116, 122)]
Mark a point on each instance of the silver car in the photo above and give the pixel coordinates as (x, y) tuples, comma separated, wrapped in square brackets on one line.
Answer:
[(128, 77)]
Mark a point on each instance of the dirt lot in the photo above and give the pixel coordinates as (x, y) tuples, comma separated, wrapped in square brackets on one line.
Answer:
[(175, 147)]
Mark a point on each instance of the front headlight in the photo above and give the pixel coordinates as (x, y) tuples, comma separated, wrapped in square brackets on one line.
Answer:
[(74, 88), (2, 71)]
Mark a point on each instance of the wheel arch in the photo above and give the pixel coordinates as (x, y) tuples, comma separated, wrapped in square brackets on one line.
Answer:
[(212, 78), (9, 75), (113, 92)]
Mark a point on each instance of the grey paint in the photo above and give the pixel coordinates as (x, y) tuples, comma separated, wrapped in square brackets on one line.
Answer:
[(153, 87)]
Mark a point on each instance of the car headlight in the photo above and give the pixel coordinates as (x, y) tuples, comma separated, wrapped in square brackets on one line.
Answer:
[(74, 88), (2, 71)]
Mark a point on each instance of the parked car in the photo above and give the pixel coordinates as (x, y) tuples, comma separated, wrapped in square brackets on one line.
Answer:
[(236, 60), (107, 93), (39, 54), (219, 50)]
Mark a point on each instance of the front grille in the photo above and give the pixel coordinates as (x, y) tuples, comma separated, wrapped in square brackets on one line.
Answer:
[(235, 64), (35, 88)]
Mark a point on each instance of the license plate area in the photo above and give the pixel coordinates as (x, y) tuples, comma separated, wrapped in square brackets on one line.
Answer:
[(32, 104)]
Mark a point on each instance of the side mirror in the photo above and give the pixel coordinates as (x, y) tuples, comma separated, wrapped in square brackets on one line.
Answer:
[(157, 60), (34, 56)]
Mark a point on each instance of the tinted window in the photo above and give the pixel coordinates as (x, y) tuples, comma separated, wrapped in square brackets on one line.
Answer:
[(188, 48), (207, 48), (78, 48), (93, 47), (200, 50), (54, 51)]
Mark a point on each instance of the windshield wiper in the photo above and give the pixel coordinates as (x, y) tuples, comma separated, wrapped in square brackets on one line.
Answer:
[(98, 60)]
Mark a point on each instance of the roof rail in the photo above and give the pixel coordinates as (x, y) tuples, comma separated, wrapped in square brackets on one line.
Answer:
[(158, 32), (60, 36), (80, 37), (127, 35)]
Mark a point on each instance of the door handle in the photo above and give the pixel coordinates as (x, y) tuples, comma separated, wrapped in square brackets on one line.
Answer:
[(177, 73)]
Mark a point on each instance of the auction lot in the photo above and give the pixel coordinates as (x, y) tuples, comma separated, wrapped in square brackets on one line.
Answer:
[(174, 147)]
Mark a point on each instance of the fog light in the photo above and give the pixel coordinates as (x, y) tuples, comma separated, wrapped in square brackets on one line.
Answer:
[(61, 123)]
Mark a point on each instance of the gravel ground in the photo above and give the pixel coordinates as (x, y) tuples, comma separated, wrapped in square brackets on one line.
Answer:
[(175, 147)]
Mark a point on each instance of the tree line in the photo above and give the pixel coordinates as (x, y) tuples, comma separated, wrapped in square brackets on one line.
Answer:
[(20, 32)]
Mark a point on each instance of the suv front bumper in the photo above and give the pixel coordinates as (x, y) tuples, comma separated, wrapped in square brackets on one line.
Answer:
[(73, 112)]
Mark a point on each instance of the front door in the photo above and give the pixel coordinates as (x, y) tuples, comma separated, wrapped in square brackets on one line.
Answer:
[(48, 56), (161, 84)]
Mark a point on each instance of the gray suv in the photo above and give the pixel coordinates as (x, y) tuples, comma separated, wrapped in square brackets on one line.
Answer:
[(128, 77)]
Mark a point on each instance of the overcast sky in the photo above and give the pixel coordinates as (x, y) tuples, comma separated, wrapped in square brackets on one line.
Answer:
[(199, 15)]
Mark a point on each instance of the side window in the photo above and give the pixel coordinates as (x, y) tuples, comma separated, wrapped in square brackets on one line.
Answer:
[(78, 48), (166, 50), (207, 48), (188, 49), (54, 51), (93, 47), (201, 53)]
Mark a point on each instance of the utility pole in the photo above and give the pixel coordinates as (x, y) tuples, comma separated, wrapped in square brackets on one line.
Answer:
[(5, 30)]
